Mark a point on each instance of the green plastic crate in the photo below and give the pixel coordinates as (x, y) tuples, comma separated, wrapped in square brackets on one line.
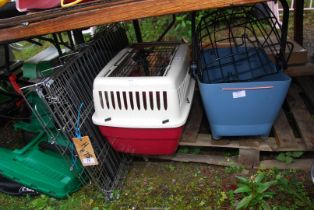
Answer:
[(42, 170)]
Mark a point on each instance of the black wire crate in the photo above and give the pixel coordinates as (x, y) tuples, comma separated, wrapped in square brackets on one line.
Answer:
[(68, 97), (240, 43)]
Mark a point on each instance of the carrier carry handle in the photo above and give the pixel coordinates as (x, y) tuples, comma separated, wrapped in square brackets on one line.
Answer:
[(249, 88)]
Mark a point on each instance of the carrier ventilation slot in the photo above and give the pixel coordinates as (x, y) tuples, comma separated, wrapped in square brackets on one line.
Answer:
[(107, 99), (138, 100), (125, 100), (113, 103), (101, 100)]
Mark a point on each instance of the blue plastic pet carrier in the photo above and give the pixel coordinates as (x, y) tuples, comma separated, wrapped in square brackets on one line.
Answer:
[(240, 55)]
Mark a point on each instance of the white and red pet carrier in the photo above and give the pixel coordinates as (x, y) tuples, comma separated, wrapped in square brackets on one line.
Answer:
[(143, 97)]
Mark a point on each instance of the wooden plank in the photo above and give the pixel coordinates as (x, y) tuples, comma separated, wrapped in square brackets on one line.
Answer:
[(299, 54), (261, 144), (300, 164), (195, 158), (304, 120), (205, 140), (301, 70), (194, 121), (249, 157), (283, 132), (110, 13)]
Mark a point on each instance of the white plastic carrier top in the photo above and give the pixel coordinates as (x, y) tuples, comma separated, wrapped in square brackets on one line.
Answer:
[(145, 101)]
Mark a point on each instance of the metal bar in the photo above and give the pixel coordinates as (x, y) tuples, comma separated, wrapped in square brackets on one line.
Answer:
[(34, 42), (137, 30), (78, 37), (56, 43), (168, 28), (284, 31), (7, 58), (298, 21), (60, 38)]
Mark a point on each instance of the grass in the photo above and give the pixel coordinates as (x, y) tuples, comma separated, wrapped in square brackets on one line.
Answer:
[(170, 185), (87, 198)]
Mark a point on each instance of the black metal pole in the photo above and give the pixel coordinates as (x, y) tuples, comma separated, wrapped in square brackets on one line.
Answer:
[(298, 21), (56, 43), (168, 28), (284, 32), (137, 30), (60, 38), (7, 58), (78, 36)]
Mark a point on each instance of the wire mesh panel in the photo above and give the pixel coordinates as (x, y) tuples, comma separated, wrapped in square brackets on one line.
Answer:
[(68, 96), (148, 59), (234, 44)]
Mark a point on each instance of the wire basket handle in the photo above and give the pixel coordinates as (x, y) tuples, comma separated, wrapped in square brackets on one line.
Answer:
[(284, 34)]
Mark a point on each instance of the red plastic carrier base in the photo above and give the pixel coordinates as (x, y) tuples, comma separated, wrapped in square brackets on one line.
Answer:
[(143, 141)]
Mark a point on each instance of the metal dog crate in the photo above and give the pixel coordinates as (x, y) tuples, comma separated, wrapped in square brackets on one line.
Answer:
[(71, 87)]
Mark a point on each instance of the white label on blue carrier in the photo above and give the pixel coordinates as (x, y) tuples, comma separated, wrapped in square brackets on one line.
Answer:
[(239, 94)]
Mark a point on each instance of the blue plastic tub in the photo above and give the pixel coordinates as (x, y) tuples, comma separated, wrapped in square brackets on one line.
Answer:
[(235, 64), (243, 108)]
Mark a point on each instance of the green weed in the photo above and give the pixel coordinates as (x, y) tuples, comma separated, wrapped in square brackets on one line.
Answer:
[(254, 191), (232, 169), (289, 157)]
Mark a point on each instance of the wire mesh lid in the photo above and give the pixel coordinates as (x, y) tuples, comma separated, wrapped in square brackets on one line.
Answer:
[(239, 44), (145, 59)]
